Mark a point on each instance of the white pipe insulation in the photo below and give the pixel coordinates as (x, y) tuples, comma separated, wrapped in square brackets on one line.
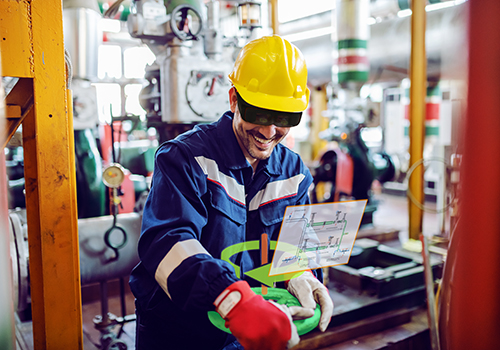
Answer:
[(389, 46)]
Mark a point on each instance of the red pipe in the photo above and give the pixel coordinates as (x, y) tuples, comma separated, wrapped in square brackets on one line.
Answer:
[(470, 296)]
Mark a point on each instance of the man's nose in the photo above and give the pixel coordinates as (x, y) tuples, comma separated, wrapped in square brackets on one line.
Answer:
[(268, 131)]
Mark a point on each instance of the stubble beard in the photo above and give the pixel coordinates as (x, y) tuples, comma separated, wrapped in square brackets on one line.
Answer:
[(248, 141)]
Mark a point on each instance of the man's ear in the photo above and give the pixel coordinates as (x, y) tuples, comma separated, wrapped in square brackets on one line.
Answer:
[(233, 99)]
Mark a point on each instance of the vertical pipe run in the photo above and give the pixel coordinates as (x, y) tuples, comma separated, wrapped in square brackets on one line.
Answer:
[(429, 288), (418, 77), (104, 302), (123, 305), (319, 122), (212, 42), (470, 306), (275, 23), (352, 40)]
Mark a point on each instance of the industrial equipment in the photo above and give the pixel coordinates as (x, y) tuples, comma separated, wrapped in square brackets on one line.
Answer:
[(349, 167), (378, 282), (99, 263), (188, 82), (371, 54), (186, 85), (382, 271), (281, 296)]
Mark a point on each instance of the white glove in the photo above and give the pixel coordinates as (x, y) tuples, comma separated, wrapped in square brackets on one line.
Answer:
[(309, 291)]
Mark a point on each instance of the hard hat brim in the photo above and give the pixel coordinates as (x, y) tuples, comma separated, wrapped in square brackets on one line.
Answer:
[(273, 102)]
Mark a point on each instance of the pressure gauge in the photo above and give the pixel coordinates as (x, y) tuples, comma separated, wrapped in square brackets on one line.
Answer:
[(206, 94), (113, 175)]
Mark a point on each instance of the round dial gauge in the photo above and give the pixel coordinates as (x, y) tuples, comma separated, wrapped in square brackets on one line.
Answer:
[(206, 94), (113, 175)]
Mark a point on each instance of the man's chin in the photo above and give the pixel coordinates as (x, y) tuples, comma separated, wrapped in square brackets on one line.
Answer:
[(261, 154)]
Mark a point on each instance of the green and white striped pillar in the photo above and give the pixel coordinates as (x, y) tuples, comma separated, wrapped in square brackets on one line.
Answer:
[(352, 40)]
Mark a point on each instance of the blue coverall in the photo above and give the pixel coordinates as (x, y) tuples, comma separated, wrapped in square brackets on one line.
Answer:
[(205, 197)]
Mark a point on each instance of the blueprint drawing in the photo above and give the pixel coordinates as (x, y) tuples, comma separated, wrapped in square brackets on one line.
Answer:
[(317, 235)]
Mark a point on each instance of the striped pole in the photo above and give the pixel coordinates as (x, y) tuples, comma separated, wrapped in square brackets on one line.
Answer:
[(432, 109), (418, 78), (352, 40)]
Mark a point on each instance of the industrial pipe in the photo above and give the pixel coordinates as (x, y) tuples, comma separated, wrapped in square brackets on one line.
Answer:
[(275, 23), (319, 122), (352, 41), (98, 263), (389, 46), (384, 8), (82, 36), (469, 315), (418, 78), (213, 37)]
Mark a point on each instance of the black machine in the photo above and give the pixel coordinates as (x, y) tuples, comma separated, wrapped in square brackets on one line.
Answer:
[(351, 168)]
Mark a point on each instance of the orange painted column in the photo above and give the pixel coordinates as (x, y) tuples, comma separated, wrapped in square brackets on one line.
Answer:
[(33, 48), (418, 77)]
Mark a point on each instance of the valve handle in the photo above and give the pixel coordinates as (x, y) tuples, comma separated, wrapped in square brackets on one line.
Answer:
[(283, 297)]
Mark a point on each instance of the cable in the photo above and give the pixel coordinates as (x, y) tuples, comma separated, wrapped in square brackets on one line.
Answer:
[(113, 9), (69, 67)]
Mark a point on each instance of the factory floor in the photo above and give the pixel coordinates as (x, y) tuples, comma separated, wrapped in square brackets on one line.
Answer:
[(390, 223)]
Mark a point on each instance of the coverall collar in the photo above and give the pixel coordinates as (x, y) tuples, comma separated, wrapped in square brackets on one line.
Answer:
[(235, 159)]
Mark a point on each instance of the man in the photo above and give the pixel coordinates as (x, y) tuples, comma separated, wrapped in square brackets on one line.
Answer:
[(213, 187)]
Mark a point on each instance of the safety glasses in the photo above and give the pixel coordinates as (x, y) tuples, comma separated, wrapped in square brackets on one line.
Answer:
[(262, 116)]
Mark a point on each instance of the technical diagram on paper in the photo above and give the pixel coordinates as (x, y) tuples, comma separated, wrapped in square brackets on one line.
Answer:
[(317, 235)]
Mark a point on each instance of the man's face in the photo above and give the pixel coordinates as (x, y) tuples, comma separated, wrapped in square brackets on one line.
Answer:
[(256, 141)]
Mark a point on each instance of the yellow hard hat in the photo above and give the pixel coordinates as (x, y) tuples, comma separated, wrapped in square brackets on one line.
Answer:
[(271, 73)]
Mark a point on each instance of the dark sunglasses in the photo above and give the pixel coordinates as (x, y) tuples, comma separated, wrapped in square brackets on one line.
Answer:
[(262, 116)]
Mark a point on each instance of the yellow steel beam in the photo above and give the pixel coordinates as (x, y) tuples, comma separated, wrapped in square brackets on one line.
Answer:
[(32, 46), (17, 41), (21, 95), (19, 101), (418, 77), (13, 112), (11, 121)]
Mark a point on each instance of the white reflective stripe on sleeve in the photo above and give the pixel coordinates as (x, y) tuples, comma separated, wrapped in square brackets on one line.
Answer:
[(179, 252), (276, 190), (230, 185)]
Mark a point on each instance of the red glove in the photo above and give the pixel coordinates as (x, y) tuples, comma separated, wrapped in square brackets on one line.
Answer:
[(256, 323)]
